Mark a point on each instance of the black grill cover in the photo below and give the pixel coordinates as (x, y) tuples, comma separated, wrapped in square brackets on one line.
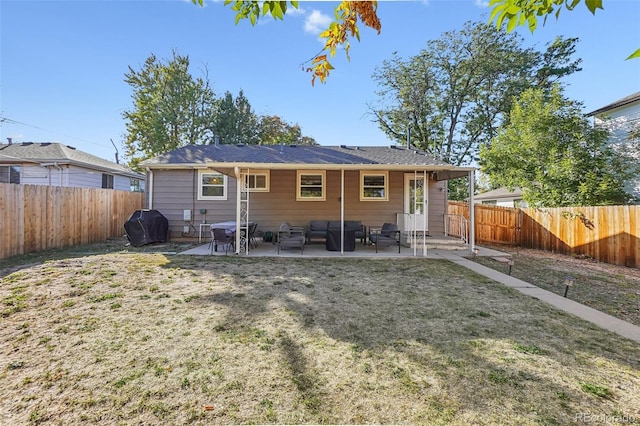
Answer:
[(146, 227)]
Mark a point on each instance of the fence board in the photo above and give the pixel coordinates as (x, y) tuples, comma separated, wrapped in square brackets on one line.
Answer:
[(608, 234), (37, 217)]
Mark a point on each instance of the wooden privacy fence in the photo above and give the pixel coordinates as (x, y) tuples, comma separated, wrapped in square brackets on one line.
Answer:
[(38, 217), (608, 234)]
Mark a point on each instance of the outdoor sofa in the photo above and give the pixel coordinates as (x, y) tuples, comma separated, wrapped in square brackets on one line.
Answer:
[(318, 229)]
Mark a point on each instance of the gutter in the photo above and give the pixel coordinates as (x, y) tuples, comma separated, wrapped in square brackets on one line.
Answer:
[(54, 164)]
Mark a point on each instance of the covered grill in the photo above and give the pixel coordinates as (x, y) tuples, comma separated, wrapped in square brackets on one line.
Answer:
[(146, 227)]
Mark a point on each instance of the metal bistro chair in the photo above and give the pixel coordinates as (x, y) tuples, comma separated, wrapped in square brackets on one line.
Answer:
[(253, 242), (219, 237)]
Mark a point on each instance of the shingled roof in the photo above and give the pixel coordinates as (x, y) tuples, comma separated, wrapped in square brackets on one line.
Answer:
[(617, 104), (51, 152), (296, 156)]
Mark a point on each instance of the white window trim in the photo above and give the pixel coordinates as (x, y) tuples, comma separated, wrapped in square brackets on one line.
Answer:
[(322, 173), (224, 185), (265, 173), (386, 186)]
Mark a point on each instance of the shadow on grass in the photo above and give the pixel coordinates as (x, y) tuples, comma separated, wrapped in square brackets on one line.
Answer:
[(462, 328)]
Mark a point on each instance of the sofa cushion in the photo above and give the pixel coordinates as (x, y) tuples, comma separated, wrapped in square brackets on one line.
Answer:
[(318, 225), (335, 224)]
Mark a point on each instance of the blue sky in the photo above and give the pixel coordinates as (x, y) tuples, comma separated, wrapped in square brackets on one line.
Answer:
[(63, 62)]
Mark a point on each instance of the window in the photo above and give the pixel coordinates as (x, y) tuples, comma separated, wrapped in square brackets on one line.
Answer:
[(212, 186), (257, 180), (373, 186), (9, 174), (107, 181), (311, 185), (135, 185)]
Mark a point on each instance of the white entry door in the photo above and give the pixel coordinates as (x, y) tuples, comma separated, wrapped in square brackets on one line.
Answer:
[(416, 201)]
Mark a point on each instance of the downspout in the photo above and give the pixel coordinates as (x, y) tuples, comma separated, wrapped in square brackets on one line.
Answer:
[(150, 189), (472, 215), (54, 164)]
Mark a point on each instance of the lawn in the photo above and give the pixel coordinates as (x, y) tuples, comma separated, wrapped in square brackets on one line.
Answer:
[(146, 338), (612, 289)]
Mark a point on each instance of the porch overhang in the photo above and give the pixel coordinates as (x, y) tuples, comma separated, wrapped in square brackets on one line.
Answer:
[(440, 172)]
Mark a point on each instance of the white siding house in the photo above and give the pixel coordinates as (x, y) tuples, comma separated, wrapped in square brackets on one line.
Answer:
[(501, 197), (55, 164), (620, 118)]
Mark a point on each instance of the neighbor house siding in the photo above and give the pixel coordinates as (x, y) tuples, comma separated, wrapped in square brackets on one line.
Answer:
[(35, 175), (620, 122)]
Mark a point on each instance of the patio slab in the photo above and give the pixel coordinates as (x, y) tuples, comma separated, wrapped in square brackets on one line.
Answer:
[(437, 248)]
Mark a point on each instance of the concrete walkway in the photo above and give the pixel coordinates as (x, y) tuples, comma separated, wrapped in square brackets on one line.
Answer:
[(596, 317)]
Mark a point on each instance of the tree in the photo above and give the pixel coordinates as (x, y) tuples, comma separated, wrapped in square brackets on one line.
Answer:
[(170, 108), (455, 93), (235, 121), (339, 32), (513, 13), (550, 150), (274, 130), (345, 26)]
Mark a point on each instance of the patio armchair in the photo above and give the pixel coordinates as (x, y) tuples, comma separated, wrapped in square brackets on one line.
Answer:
[(291, 237), (219, 237), (386, 236)]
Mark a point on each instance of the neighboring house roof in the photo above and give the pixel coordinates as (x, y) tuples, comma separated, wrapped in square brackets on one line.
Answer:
[(51, 152), (498, 194), (617, 104), (304, 156)]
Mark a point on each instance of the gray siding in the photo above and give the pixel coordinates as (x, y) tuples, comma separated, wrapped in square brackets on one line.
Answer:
[(176, 190)]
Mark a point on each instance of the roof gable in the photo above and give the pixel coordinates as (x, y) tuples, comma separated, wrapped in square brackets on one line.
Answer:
[(617, 104), (51, 152)]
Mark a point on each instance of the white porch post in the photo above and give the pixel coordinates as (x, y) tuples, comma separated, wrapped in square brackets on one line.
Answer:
[(236, 172), (472, 215), (341, 211), (425, 212)]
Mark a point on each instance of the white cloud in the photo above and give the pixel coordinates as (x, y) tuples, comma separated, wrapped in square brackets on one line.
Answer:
[(482, 3), (316, 22)]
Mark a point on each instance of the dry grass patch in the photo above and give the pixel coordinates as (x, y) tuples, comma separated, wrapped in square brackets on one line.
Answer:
[(143, 338), (612, 289)]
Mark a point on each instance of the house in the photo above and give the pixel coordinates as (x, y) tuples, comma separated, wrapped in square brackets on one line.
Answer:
[(198, 184), (56, 164), (502, 197), (621, 118)]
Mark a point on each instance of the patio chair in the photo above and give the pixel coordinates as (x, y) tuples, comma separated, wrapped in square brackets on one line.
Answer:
[(386, 236), (219, 237), (290, 237), (253, 242)]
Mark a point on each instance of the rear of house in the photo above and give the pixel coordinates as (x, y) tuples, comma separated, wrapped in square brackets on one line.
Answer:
[(197, 185)]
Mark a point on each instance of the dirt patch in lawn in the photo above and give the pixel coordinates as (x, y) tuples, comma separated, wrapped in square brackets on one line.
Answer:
[(126, 337), (612, 289)]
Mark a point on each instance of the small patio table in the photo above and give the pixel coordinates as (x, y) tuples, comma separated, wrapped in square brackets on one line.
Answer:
[(230, 228)]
